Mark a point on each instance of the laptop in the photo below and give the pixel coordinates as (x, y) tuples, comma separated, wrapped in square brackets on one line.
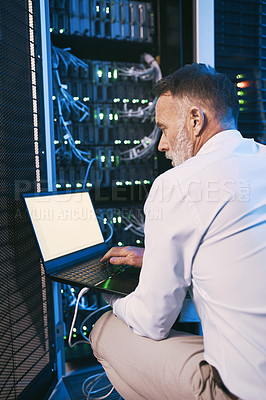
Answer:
[(71, 243)]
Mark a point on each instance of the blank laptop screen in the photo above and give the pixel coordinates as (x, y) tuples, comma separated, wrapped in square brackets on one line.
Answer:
[(64, 223)]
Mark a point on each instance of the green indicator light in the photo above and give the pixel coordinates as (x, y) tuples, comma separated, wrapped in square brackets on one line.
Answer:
[(127, 141), (155, 158), (120, 244), (100, 73), (79, 185), (74, 329), (102, 158), (101, 116), (53, 97), (56, 141), (58, 185), (68, 185), (105, 221), (74, 335), (114, 220), (84, 328), (116, 117), (111, 117), (86, 99), (85, 333), (117, 141), (119, 220), (112, 158), (65, 337), (72, 290), (146, 182), (240, 93), (97, 9), (77, 142), (240, 76), (76, 98), (95, 114), (125, 100), (136, 141), (117, 160), (62, 291), (115, 73), (241, 109), (138, 241), (107, 10), (128, 183), (241, 101), (61, 30), (109, 74), (137, 182), (119, 183), (51, 29), (89, 184)]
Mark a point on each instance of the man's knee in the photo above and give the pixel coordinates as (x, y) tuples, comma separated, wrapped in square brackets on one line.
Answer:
[(99, 331)]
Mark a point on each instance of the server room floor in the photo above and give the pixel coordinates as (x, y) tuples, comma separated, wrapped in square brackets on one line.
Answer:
[(77, 372)]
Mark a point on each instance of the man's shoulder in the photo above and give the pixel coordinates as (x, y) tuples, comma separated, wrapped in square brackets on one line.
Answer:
[(183, 172)]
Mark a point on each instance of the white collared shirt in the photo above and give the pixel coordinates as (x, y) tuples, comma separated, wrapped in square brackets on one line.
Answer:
[(205, 229)]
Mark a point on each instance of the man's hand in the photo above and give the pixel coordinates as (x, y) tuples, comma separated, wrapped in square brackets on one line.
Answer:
[(125, 255)]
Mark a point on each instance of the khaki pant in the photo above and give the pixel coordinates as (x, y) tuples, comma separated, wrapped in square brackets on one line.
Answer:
[(142, 368)]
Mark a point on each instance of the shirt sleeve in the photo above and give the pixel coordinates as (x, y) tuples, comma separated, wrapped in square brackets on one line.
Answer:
[(171, 241)]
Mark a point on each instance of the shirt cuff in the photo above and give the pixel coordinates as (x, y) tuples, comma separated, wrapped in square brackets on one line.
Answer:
[(110, 298)]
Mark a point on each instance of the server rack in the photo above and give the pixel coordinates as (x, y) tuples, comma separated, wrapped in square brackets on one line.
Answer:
[(27, 366), (239, 52)]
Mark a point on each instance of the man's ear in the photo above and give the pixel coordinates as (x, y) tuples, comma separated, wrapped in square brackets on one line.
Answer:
[(195, 120)]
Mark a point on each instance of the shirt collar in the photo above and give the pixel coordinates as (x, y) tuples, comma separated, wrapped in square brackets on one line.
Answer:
[(219, 138)]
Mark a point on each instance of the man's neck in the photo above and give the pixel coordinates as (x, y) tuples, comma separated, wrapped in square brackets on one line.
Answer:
[(211, 130)]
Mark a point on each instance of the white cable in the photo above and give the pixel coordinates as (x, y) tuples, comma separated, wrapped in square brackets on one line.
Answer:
[(91, 385), (110, 226), (67, 58), (81, 293), (111, 232), (82, 304), (143, 149), (89, 316)]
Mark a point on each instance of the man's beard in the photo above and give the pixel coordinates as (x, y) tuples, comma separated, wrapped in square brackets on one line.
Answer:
[(182, 149)]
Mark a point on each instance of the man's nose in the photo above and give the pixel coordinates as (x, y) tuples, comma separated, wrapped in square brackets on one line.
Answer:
[(163, 144)]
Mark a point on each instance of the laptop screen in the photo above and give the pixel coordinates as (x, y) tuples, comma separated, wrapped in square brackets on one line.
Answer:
[(64, 223)]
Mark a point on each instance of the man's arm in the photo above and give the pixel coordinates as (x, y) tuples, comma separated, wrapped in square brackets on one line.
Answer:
[(171, 241)]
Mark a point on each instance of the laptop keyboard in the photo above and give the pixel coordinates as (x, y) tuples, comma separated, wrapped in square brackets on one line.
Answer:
[(91, 272)]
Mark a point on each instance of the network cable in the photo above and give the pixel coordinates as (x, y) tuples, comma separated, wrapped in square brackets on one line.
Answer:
[(72, 300), (110, 227), (146, 146), (66, 101), (88, 388), (134, 225)]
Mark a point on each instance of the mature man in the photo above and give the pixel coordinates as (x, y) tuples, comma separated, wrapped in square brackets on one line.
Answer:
[(209, 238)]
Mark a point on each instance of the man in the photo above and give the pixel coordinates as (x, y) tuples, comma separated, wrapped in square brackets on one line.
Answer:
[(209, 238)]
